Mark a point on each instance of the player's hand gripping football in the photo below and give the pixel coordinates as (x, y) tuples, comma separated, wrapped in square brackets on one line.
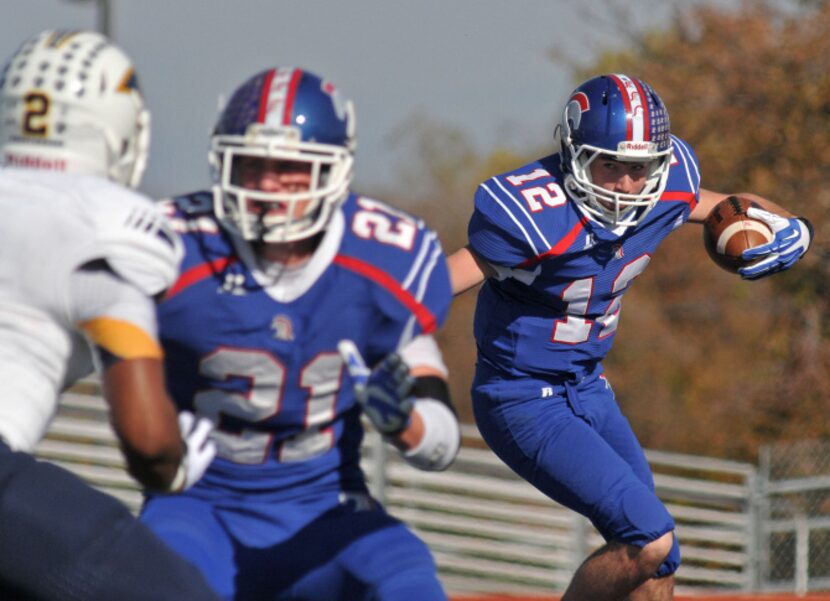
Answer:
[(200, 450), (384, 393), (791, 240)]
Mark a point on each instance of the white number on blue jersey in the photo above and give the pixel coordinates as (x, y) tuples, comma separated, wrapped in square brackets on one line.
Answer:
[(575, 329), (384, 224), (551, 194), (262, 400)]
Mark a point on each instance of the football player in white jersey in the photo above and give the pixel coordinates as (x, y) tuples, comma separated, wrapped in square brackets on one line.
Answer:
[(83, 258)]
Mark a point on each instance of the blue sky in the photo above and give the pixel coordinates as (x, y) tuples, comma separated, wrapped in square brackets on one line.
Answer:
[(483, 66)]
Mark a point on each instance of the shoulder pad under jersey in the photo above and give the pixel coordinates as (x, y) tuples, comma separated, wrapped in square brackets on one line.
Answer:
[(386, 236), (397, 250), (138, 241), (684, 173), (521, 214)]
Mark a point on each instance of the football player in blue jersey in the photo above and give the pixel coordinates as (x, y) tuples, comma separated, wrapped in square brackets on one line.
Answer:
[(290, 285), (557, 243)]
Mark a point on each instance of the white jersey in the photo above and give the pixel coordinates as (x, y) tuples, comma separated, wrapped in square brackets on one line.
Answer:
[(53, 224)]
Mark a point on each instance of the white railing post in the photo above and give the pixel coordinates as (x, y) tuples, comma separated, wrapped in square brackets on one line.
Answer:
[(764, 542), (802, 555), (378, 484), (754, 537)]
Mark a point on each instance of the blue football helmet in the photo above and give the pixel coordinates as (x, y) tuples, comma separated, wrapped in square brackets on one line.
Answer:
[(622, 118), (292, 117)]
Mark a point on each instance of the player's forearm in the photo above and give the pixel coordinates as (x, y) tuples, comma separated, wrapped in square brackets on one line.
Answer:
[(432, 438), (411, 435), (767, 204), (144, 419), (156, 472), (708, 200), (439, 436)]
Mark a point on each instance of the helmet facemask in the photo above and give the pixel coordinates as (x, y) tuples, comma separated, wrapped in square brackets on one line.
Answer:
[(617, 209), (277, 216)]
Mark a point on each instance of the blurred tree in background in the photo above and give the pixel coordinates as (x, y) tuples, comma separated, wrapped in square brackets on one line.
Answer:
[(708, 363), (703, 362)]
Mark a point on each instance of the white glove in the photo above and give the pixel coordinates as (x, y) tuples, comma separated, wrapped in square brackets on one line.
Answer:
[(384, 393), (791, 241), (200, 450)]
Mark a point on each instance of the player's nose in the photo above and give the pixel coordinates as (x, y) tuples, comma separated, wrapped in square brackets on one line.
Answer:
[(625, 184)]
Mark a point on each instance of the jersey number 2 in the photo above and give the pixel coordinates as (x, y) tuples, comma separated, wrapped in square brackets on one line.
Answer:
[(384, 224)]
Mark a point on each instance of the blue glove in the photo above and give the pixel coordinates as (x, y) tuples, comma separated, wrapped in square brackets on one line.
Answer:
[(383, 393), (791, 240)]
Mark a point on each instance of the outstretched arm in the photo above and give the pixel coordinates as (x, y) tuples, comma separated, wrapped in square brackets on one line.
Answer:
[(165, 451), (467, 269), (708, 200), (144, 419)]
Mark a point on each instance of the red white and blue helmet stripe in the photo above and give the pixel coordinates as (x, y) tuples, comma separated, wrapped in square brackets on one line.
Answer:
[(616, 108), (289, 97), (621, 117)]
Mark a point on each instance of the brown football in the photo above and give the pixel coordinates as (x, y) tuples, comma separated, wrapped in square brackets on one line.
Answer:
[(728, 231)]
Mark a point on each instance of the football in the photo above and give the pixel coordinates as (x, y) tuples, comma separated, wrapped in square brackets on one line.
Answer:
[(728, 231)]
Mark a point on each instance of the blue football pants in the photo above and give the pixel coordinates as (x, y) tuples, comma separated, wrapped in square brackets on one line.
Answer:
[(247, 553), (571, 441)]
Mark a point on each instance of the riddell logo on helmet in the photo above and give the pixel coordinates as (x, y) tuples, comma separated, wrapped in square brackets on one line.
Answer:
[(33, 162), (636, 147)]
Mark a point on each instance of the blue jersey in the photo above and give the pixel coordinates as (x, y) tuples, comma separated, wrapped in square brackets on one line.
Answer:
[(555, 306), (255, 348)]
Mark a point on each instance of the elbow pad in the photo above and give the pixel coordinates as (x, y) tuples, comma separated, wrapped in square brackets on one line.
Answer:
[(441, 440)]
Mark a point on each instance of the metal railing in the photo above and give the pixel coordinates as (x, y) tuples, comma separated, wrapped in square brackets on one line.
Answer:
[(741, 528)]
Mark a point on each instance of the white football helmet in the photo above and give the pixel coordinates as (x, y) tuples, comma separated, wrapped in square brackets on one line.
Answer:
[(69, 101)]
